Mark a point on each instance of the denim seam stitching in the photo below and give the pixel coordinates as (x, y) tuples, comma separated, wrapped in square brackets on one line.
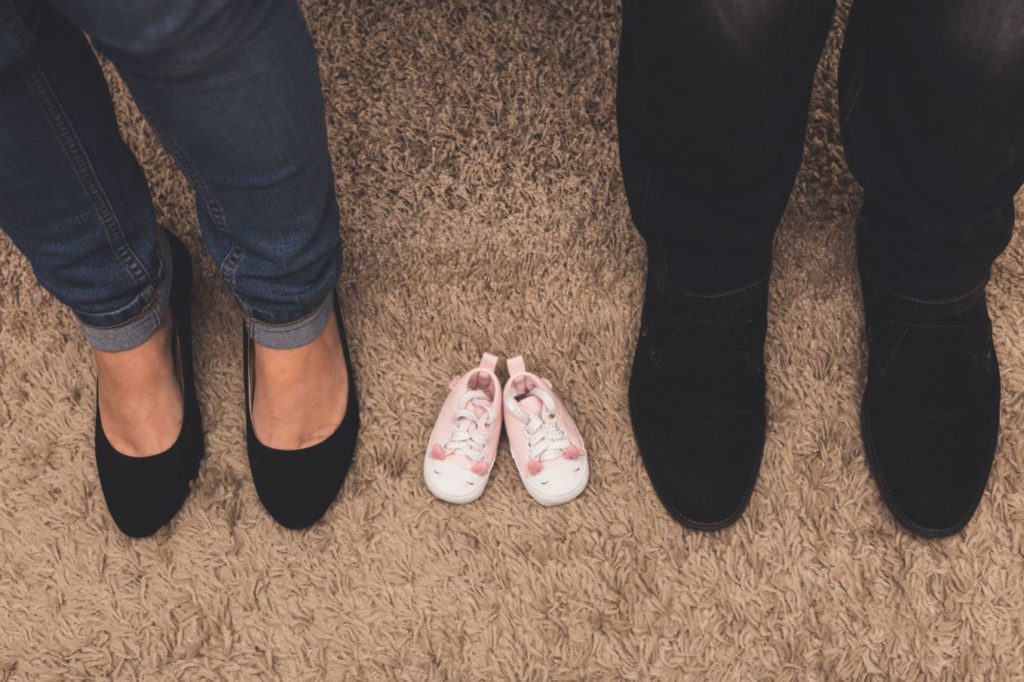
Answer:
[(229, 265), (16, 28), (857, 85), (83, 169)]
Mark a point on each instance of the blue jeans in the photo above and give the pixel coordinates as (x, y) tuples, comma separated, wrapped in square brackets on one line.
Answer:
[(232, 90)]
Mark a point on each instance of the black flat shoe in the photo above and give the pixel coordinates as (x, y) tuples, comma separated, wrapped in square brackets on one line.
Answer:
[(144, 493), (697, 400), (297, 487), (930, 415)]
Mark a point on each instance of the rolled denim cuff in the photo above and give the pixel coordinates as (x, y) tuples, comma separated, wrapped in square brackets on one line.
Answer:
[(302, 331), (145, 313)]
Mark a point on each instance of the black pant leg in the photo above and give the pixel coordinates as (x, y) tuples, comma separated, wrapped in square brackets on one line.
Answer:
[(933, 95), (712, 108)]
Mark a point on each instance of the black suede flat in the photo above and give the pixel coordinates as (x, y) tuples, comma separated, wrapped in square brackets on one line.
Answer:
[(297, 487), (144, 493)]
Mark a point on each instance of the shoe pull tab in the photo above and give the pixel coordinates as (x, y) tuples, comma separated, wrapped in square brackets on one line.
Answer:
[(489, 361), (516, 365)]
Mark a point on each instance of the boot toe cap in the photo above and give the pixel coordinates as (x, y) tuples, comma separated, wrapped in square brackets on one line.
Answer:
[(931, 472), (703, 467)]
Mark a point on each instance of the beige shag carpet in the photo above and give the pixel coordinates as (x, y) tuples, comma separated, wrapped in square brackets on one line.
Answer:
[(475, 148)]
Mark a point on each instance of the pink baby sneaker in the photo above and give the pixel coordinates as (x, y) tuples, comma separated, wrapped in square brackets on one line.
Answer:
[(544, 440), (464, 441)]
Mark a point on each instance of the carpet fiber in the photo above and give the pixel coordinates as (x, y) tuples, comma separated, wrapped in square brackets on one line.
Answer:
[(483, 210)]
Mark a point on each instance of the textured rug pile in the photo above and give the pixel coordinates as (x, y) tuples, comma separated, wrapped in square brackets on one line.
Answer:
[(475, 149)]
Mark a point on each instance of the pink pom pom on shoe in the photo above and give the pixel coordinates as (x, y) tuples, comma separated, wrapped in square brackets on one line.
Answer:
[(546, 445), (464, 440)]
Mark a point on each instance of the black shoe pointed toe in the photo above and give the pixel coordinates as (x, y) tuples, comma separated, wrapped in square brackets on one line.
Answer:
[(297, 487), (930, 414), (697, 401), (144, 493)]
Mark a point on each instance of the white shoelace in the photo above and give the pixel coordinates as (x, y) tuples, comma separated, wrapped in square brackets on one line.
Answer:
[(546, 439), (467, 438)]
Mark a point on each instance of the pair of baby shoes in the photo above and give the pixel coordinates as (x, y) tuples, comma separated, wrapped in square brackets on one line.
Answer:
[(545, 443)]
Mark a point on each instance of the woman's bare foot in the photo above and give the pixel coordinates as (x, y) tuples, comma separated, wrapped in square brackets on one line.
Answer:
[(140, 401), (300, 394)]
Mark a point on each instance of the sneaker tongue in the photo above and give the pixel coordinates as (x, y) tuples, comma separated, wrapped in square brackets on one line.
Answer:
[(532, 404), (481, 413)]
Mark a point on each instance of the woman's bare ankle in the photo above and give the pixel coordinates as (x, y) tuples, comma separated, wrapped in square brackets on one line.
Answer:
[(300, 395), (140, 401)]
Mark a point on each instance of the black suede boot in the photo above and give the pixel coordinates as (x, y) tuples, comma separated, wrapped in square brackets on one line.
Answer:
[(930, 416), (697, 400)]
